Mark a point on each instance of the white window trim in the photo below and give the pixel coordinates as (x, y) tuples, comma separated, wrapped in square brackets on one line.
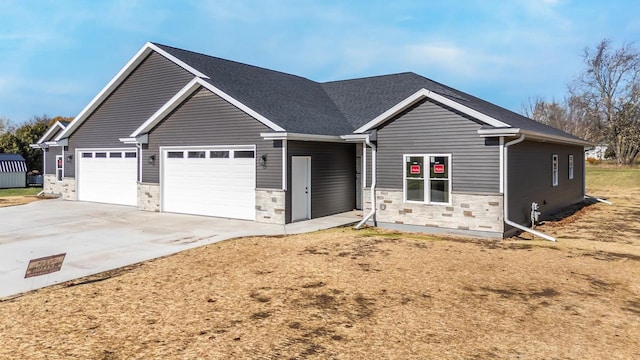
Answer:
[(554, 169), (426, 179), (61, 159), (571, 167)]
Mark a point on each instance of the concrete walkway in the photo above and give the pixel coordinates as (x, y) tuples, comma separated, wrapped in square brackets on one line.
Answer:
[(101, 237)]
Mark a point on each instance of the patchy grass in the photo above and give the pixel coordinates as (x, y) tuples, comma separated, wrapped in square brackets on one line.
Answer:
[(599, 177), (20, 196), (29, 191), (345, 294)]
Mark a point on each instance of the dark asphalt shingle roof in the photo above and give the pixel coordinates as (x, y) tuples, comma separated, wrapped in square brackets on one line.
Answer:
[(296, 104), (300, 105)]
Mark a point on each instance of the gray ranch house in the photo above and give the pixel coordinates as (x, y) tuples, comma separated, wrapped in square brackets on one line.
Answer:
[(178, 131)]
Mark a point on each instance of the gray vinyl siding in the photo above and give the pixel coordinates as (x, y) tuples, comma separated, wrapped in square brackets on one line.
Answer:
[(333, 176), (49, 161), (55, 133), (428, 128), (144, 91), (206, 119), (530, 179)]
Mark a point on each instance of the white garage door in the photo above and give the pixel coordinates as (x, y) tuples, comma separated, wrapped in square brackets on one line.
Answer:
[(108, 176), (209, 181)]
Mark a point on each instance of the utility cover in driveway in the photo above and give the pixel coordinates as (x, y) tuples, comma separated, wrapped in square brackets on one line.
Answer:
[(210, 181)]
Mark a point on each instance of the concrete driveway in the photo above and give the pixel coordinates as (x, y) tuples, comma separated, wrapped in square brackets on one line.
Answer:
[(100, 237)]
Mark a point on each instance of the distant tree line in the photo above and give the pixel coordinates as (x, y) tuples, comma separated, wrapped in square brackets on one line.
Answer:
[(16, 139), (603, 102)]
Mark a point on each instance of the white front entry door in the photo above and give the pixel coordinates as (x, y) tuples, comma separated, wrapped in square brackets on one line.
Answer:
[(210, 181), (300, 188), (107, 176)]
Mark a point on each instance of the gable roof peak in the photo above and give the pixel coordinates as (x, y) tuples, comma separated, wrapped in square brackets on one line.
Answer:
[(174, 50)]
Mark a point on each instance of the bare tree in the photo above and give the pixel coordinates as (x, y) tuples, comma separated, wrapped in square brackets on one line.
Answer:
[(608, 93), (570, 116), (5, 125)]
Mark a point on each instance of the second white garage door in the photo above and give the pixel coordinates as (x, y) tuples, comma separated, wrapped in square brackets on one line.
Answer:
[(209, 181), (108, 176)]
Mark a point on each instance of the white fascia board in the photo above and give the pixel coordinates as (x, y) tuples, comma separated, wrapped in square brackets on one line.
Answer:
[(142, 139), (354, 137), (499, 132), (46, 135), (556, 139), (300, 137), (532, 135), (424, 93), (127, 69), (184, 93), (38, 146)]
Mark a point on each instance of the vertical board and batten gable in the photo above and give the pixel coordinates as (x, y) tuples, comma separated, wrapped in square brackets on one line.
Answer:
[(333, 176), (530, 178), (430, 128), (205, 119), (138, 97)]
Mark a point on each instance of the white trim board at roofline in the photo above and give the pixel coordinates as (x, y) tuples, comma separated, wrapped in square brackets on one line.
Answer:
[(301, 137), (113, 84), (531, 135), (187, 91), (422, 94), (46, 135)]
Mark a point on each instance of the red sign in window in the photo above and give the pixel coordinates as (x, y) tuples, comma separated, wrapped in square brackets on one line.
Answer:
[(415, 169), (59, 162), (438, 168)]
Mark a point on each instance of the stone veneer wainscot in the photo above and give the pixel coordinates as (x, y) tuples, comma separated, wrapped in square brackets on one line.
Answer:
[(270, 205), (149, 197), (467, 213), (65, 188)]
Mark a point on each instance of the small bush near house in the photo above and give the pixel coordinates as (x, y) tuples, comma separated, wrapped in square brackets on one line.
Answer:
[(593, 161)]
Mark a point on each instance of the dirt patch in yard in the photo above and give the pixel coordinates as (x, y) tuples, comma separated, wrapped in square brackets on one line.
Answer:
[(344, 294), (17, 200)]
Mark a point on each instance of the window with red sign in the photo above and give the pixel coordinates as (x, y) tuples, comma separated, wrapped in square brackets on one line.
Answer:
[(430, 185), (414, 183), (59, 168)]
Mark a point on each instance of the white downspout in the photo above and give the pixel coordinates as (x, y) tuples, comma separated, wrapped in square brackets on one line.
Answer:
[(505, 198), (373, 182), (139, 147)]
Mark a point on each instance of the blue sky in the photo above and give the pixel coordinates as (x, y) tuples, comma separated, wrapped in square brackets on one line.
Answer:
[(55, 56)]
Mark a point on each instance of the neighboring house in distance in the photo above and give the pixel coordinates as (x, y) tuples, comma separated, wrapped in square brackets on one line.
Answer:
[(52, 161), (184, 132), (13, 171), (598, 152)]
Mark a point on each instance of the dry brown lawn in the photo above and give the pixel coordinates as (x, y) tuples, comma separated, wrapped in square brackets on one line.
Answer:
[(17, 200), (344, 294)]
